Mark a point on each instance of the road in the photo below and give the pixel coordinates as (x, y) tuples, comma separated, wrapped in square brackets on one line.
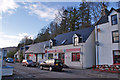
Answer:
[(35, 72)]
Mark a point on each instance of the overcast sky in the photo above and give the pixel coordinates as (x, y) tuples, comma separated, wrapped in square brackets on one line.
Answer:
[(26, 18)]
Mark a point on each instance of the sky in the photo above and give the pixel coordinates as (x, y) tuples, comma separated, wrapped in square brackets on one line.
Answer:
[(19, 19)]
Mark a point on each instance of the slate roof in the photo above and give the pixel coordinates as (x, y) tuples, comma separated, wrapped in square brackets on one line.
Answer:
[(104, 19), (85, 33), (37, 48)]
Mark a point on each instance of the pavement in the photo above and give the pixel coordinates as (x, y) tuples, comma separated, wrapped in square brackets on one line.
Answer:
[(23, 72)]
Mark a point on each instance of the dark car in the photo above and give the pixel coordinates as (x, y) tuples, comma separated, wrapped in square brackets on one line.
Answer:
[(9, 60), (28, 63), (52, 64)]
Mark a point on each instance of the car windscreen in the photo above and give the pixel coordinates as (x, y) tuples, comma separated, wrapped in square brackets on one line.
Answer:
[(29, 60), (10, 59), (58, 60)]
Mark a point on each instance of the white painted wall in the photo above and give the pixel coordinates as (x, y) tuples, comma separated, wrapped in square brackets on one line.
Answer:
[(89, 51), (106, 47), (39, 57)]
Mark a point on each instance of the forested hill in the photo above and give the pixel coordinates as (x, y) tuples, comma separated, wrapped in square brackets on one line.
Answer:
[(67, 20)]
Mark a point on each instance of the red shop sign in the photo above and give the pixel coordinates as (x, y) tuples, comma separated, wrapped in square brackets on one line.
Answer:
[(74, 49), (59, 50), (51, 51), (30, 54)]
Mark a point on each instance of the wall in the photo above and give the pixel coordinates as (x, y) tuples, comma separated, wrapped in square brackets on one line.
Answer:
[(89, 51), (106, 47), (40, 57), (68, 55)]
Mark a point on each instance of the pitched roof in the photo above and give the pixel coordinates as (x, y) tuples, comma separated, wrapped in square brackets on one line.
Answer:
[(118, 10), (104, 19), (67, 37), (37, 48)]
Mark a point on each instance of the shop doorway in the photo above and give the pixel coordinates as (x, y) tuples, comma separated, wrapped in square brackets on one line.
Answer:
[(50, 56), (61, 56)]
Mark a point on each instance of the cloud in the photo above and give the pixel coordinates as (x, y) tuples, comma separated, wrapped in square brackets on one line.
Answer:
[(42, 11), (11, 40), (7, 6)]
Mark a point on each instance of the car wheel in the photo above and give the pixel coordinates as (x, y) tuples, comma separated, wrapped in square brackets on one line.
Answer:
[(60, 70), (41, 67), (50, 68)]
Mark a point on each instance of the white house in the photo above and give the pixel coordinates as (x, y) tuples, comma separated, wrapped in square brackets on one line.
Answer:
[(76, 49), (36, 52), (107, 32)]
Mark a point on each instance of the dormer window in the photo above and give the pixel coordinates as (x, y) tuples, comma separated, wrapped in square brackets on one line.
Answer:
[(51, 44), (75, 40), (114, 19)]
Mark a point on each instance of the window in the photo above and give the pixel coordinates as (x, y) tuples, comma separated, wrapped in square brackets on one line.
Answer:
[(75, 56), (51, 44), (75, 40), (50, 56), (116, 56), (114, 19), (115, 36)]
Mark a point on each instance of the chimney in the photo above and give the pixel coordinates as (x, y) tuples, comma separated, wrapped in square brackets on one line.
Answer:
[(104, 10)]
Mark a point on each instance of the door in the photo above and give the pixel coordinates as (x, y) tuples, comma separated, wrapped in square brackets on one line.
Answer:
[(61, 56)]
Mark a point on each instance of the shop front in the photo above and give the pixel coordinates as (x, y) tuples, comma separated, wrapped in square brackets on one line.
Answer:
[(70, 57)]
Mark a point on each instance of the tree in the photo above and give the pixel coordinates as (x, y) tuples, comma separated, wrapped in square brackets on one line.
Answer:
[(11, 53), (25, 41), (84, 15)]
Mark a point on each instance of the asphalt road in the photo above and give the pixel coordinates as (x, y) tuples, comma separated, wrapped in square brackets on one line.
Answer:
[(35, 72)]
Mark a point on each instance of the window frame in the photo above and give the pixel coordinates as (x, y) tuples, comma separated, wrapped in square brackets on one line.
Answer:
[(116, 36), (75, 40), (116, 56), (76, 55), (114, 21), (49, 57)]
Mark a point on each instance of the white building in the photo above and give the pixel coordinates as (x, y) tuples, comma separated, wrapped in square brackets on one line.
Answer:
[(76, 49), (107, 38)]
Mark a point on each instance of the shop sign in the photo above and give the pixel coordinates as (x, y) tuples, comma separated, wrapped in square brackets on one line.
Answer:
[(74, 49), (59, 50), (30, 54), (52, 51)]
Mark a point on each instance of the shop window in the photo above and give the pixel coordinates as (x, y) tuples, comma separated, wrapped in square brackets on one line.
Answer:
[(116, 57), (50, 56), (75, 56), (61, 56), (114, 19), (115, 36), (75, 40)]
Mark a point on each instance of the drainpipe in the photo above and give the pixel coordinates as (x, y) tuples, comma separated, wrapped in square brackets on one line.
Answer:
[(82, 51), (97, 48)]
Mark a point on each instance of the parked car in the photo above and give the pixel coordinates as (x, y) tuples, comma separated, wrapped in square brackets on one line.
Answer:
[(52, 64), (28, 63), (9, 60)]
